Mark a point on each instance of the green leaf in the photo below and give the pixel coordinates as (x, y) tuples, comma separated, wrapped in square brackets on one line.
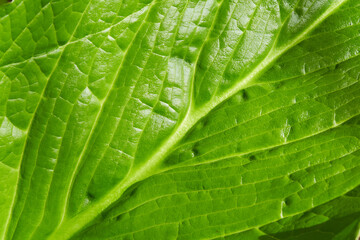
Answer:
[(196, 119)]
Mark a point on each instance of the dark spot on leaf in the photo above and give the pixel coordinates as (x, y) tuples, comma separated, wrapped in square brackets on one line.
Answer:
[(278, 85), (299, 11), (90, 196), (205, 122), (195, 151), (245, 96), (118, 218), (132, 192), (252, 158)]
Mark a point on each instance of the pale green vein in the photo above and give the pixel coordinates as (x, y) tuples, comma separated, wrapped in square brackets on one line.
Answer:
[(72, 225)]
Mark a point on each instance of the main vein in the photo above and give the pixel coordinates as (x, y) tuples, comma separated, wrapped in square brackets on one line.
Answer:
[(194, 114)]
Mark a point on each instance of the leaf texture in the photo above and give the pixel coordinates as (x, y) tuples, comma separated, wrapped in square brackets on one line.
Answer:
[(180, 119)]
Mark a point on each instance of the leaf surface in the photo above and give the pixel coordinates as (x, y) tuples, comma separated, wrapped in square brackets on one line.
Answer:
[(197, 119)]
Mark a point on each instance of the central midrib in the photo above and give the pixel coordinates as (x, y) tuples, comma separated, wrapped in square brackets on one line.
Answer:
[(71, 226)]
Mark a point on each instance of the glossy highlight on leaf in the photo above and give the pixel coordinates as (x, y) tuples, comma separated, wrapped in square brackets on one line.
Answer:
[(180, 119)]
